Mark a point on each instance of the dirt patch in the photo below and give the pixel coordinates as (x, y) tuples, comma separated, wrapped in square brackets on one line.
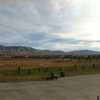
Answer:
[(70, 88)]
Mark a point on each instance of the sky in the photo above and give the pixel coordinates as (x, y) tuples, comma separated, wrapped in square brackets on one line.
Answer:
[(51, 24)]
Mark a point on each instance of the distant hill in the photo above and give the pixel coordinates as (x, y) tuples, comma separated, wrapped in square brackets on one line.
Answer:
[(28, 51), (84, 52)]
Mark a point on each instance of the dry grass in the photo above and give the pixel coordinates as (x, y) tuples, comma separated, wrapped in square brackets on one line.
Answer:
[(42, 62), (9, 67)]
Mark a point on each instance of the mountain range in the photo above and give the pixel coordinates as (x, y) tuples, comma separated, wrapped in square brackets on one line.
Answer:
[(28, 51)]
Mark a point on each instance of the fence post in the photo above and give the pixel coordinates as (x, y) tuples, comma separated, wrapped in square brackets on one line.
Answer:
[(97, 97)]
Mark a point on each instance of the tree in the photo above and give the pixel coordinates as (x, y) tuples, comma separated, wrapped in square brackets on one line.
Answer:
[(93, 66), (19, 70), (62, 74), (29, 71)]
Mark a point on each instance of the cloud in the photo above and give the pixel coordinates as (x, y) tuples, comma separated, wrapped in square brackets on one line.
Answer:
[(50, 24), (35, 15)]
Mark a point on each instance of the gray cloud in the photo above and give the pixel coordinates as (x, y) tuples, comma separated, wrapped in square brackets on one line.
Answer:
[(35, 22), (37, 15)]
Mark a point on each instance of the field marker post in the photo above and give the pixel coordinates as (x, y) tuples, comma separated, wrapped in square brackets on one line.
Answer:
[(97, 97)]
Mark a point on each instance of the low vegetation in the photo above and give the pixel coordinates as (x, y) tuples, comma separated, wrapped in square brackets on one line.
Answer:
[(20, 69)]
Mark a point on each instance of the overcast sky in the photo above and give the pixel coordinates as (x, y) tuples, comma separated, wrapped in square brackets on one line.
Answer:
[(51, 24)]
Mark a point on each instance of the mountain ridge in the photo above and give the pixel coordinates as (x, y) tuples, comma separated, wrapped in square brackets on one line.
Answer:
[(29, 51)]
